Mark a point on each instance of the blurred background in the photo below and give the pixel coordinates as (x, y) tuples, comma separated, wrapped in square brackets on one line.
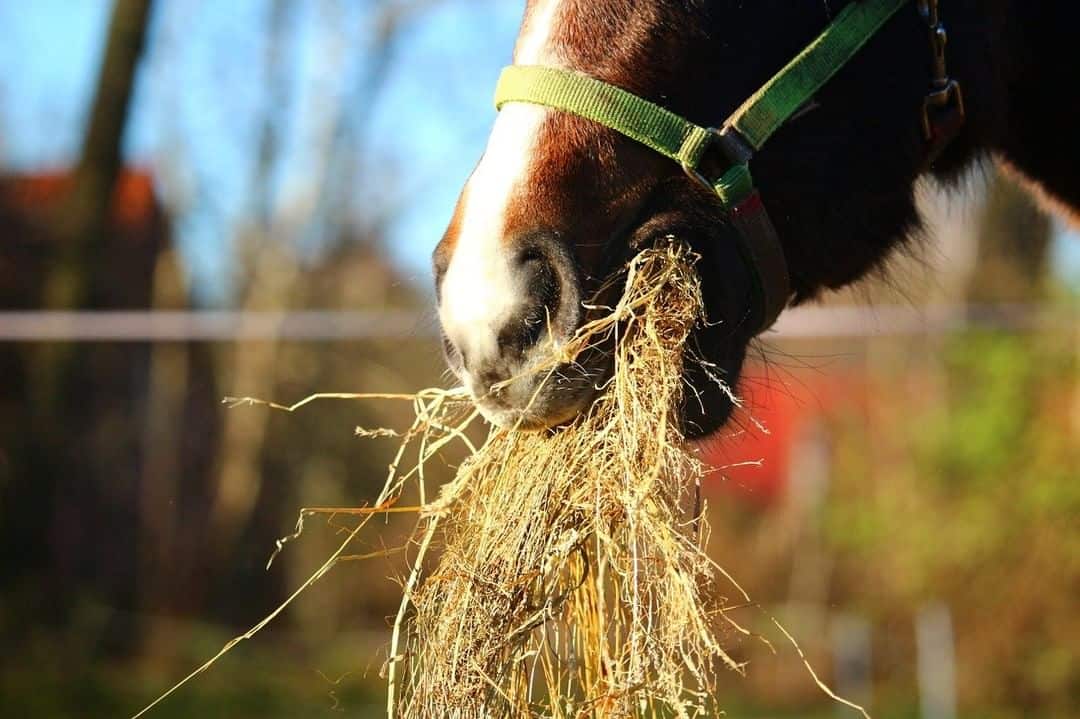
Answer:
[(200, 199)]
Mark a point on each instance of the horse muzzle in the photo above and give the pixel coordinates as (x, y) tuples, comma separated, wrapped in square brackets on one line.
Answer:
[(506, 315)]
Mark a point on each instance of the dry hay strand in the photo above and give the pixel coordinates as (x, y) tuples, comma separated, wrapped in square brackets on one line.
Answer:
[(573, 580)]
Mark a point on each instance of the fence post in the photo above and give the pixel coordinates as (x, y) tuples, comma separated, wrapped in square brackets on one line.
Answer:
[(936, 661)]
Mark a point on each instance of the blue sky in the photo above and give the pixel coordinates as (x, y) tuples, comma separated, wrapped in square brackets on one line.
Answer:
[(201, 93)]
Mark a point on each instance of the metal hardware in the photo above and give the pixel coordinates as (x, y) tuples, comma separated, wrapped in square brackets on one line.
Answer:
[(929, 11), (943, 107), (693, 174), (943, 112), (734, 147)]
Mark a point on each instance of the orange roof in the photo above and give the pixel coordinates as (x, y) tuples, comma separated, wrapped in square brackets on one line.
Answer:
[(134, 200)]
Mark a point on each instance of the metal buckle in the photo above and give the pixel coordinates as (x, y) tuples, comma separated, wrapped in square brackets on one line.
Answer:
[(694, 174), (736, 151), (943, 115), (943, 111)]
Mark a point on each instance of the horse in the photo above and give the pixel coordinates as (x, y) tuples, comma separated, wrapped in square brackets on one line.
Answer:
[(559, 200)]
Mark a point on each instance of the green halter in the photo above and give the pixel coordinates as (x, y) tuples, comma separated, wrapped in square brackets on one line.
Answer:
[(745, 132)]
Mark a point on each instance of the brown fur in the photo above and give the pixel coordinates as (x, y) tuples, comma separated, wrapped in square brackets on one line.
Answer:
[(838, 182)]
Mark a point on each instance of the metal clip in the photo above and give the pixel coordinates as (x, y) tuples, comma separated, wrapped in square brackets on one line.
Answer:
[(928, 9), (943, 116), (939, 40), (943, 112), (735, 149)]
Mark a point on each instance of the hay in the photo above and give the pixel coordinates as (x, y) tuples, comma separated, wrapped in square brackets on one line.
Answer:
[(573, 580)]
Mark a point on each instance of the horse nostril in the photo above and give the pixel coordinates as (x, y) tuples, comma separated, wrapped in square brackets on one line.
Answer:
[(543, 283), (532, 255), (535, 323), (540, 294), (498, 311)]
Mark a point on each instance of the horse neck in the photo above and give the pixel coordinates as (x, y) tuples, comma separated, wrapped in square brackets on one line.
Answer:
[(1014, 59)]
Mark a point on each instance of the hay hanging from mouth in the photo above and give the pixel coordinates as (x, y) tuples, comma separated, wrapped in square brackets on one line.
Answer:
[(573, 580)]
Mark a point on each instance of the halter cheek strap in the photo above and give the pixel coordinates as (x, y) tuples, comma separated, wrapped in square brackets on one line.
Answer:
[(685, 143), (744, 132)]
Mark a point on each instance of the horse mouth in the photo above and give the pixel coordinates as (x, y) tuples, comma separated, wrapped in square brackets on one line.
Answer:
[(550, 395), (530, 418), (532, 385), (529, 382)]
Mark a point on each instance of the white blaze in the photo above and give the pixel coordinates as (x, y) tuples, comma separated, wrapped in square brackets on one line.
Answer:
[(532, 47), (479, 292)]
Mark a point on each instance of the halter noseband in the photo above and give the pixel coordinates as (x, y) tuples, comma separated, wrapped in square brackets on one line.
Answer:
[(747, 129)]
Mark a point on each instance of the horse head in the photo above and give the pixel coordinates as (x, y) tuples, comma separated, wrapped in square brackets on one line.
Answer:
[(558, 201)]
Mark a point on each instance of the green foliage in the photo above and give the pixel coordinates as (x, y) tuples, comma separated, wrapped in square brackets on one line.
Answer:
[(266, 680), (993, 453), (1000, 421), (967, 491)]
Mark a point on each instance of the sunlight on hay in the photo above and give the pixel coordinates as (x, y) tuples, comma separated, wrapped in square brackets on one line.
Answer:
[(571, 578)]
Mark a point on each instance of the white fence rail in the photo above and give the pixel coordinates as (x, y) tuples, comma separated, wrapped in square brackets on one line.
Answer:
[(338, 325)]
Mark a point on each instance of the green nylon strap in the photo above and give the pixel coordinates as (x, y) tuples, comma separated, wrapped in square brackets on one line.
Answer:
[(651, 125), (734, 185), (637, 118), (790, 89), (683, 141)]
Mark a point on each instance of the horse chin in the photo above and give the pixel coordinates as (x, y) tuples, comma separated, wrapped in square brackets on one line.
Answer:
[(534, 406), (539, 408), (541, 399), (527, 420)]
